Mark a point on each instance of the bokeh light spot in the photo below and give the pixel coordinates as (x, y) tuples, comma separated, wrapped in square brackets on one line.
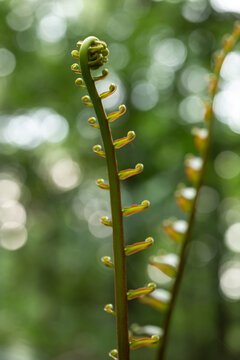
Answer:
[(67, 8), (230, 211), (9, 188), (195, 11), (191, 109), (96, 227), (13, 235), (193, 79), (230, 280), (52, 28), (161, 76), (34, 127), (65, 173), (144, 96), (226, 105), (20, 18), (227, 164), (12, 211), (7, 62), (171, 53), (54, 127), (232, 237), (231, 66), (226, 5)]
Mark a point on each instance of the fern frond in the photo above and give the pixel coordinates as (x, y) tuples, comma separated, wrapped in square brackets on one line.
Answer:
[(195, 168), (92, 54)]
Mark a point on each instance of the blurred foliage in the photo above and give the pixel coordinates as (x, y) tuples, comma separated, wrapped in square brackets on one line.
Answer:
[(53, 286)]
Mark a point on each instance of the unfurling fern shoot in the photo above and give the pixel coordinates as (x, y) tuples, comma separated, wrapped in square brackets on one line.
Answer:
[(92, 54)]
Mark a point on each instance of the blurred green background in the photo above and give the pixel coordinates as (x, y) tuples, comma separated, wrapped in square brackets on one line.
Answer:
[(53, 286)]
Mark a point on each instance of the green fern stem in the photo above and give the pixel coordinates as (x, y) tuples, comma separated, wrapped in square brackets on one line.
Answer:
[(229, 42), (116, 207)]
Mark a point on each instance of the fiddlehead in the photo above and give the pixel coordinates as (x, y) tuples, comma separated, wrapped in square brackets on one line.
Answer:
[(92, 55), (186, 196)]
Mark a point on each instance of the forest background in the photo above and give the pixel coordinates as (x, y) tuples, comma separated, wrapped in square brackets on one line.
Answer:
[(53, 286)]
